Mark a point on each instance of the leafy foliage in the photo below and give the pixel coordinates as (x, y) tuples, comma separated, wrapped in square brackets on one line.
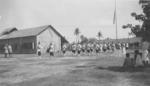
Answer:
[(92, 40), (87, 40), (144, 30), (83, 39)]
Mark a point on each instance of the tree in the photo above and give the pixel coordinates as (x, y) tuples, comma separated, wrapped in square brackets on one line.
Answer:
[(77, 32), (92, 40), (143, 30), (99, 35), (81, 37), (84, 40)]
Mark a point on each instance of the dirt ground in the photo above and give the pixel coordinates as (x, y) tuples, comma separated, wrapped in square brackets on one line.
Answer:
[(95, 70)]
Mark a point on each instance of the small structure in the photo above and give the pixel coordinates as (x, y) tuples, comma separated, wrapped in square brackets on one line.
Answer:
[(25, 41)]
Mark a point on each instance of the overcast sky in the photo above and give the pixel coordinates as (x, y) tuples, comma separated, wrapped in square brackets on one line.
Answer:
[(90, 16)]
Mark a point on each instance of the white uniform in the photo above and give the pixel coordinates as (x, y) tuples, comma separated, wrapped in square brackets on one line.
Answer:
[(139, 61), (39, 48), (145, 55), (119, 46), (51, 48), (92, 47), (74, 47), (83, 48), (145, 46), (6, 49), (113, 47), (10, 49), (88, 47), (79, 49), (124, 50), (64, 47), (97, 47), (101, 47), (127, 45), (104, 46)]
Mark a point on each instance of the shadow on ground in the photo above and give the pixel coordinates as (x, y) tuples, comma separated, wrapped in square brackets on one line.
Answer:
[(121, 69)]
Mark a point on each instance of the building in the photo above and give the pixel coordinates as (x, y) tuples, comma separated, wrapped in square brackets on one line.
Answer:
[(25, 41), (123, 40), (133, 42)]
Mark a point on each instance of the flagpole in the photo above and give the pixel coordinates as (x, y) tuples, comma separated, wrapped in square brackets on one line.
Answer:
[(116, 23)]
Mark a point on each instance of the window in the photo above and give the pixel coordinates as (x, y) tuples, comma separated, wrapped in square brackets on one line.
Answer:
[(24, 46), (28, 45), (15, 46), (1, 47)]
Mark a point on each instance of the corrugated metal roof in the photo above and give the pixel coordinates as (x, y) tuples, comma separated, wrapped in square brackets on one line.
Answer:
[(25, 32)]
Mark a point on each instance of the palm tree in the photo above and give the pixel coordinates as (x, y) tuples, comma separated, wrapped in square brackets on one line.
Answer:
[(77, 32), (99, 35)]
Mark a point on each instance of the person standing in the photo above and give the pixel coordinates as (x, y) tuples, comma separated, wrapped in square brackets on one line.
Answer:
[(108, 47), (6, 50), (39, 49), (127, 45), (89, 49), (119, 45), (97, 48), (124, 49), (51, 50), (83, 48), (79, 49), (64, 49), (145, 58), (10, 50), (104, 47), (92, 48), (101, 47), (137, 58), (113, 47), (73, 49)]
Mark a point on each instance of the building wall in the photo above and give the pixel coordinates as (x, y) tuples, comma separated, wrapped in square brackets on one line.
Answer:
[(56, 40), (28, 45), (23, 45), (2, 44), (47, 37)]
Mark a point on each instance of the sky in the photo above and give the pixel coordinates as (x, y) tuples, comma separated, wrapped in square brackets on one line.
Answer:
[(90, 16)]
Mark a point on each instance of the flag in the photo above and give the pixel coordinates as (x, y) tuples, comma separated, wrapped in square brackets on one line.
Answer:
[(114, 20)]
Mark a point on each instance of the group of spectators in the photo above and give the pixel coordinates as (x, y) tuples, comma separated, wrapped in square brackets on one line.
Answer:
[(141, 57)]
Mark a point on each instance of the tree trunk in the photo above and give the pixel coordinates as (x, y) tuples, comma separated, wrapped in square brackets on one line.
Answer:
[(76, 38), (99, 39)]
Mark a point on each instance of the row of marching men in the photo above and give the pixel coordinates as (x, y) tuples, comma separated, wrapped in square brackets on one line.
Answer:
[(90, 48)]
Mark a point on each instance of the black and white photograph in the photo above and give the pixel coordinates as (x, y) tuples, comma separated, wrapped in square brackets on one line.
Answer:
[(74, 42)]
